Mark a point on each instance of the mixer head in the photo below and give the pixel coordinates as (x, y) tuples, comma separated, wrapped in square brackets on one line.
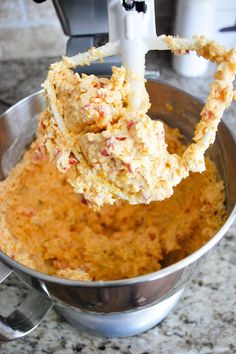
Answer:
[(86, 24)]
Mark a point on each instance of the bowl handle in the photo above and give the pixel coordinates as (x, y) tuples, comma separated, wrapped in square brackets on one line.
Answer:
[(27, 316)]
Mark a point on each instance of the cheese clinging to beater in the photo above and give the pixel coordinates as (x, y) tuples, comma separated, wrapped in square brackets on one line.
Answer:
[(111, 151)]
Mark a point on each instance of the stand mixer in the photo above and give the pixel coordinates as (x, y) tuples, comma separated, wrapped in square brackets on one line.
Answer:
[(130, 306)]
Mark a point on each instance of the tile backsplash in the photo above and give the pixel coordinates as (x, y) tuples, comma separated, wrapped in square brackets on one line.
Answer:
[(29, 30)]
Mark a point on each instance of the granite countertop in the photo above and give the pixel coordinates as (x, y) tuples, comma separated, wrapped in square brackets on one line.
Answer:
[(204, 321)]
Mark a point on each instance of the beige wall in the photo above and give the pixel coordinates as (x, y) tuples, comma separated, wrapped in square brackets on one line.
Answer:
[(30, 30)]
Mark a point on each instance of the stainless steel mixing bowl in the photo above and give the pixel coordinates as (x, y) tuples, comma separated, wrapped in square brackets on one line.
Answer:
[(110, 308)]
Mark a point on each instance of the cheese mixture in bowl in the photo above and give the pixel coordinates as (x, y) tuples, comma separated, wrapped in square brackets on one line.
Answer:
[(121, 163), (46, 226)]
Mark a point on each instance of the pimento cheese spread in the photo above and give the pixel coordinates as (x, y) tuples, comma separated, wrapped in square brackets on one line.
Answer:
[(45, 226)]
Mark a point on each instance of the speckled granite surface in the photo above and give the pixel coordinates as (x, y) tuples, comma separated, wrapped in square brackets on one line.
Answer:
[(203, 322)]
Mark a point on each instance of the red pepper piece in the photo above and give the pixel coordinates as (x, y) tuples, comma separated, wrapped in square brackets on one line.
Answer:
[(130, 124), (105, 153), (121, 138)]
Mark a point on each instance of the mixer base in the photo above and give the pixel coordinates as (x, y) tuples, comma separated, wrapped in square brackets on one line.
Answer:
[(120, 324)]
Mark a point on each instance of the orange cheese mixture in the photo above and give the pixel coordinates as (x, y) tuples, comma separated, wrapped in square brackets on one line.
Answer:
[(46, 226)]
